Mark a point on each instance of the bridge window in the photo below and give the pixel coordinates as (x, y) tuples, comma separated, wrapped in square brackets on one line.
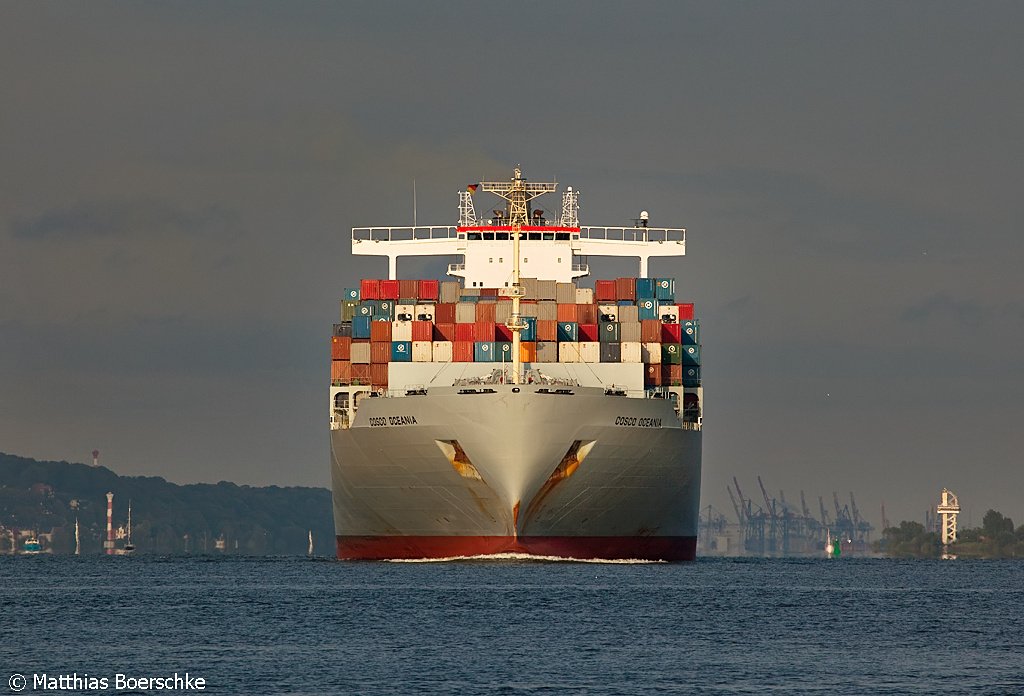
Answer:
[(562, 236), (550, 236), (534, 236), (502, 236), (488, 235), (474, 235)]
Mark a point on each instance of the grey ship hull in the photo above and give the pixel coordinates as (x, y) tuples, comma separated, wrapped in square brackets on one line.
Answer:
[(576, 475)]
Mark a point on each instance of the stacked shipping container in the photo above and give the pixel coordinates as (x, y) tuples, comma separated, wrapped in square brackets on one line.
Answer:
[(634, 320)]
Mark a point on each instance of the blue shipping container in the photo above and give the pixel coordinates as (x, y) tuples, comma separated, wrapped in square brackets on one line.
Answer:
[(503, 351), (366, 309), (385, 308), (691, 376), (665, 289), (649, 312), (691, 355), (530, 332), (644, 288), (568, 331), (483, 351), (691, 332), (401, 351), (351, 294), (361, 327)]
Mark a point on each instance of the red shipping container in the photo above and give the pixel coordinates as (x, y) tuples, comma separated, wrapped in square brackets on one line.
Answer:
[(589, 332), (380, 331), (567, 312), (341, 371), (422, 330), (502, 333), (444, 332), (652, 376), (650, 330), (672, 375), (485, 311), (360, 373), (547, 330), (407, 289), (604, 290), (586, 313), (380, 352), (488, 292), (671, 333), (465, 332), (685, 311), (341, 347), (528, 351), (379, 375), (483, 331), (428, 290), (625, 289), (389, 289), (444, 313), (369, 289), (462, 351)]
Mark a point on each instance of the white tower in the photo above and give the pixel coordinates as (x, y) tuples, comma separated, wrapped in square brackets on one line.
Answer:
[(947, 510)]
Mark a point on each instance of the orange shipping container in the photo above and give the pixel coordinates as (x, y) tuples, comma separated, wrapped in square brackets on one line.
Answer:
[(361, 373), (444, 313), (379, 375), (380, 352), (671, 375), (604, 290), (483, 331), (547, 330), (407, 289), (567, 312), (685, 311), (380, 331), (341, 347), (422, 331), (485, 312), (650, 330), (586, 314), (462, 351), (528, 350), (444, 332), (341, 371), (625, 289), (465, 332)]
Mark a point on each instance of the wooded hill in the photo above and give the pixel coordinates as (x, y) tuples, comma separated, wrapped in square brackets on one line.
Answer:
[(166, 518)]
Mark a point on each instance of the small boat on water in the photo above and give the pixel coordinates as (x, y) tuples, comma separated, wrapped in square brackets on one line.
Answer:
[(31, 546)]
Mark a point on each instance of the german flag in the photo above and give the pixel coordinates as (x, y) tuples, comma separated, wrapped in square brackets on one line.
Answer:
[(472, 188)]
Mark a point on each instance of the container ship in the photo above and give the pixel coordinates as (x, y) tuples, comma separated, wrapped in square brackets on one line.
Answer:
[(511, 409)]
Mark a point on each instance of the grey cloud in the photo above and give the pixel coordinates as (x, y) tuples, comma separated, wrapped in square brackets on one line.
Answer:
[(107, 218)]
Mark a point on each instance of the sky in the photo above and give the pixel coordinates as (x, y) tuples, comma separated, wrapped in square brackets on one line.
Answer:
[(178, 183)]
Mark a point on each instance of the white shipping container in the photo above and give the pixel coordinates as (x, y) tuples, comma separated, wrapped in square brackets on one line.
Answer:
[(422, 351), (565, 293), (584, 295), (590, 352), (442, 351), (546, 289), (630, 352), (629, 313), (651, 353), (424, 312), (361, 353), (528, 310), (503, 311), (628, 331), (547, 311), (568, 352), (401, 331), (465, 313), (403, 311), (670, 311), (610, 310)]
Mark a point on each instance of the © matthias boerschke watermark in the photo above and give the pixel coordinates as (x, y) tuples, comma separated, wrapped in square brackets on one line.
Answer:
[(48, 681)]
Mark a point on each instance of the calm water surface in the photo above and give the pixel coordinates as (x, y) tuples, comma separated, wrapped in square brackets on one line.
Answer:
[(318, 626)]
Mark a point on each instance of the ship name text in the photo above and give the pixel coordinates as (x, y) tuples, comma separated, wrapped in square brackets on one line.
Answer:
[(636, 422), (393, 420)]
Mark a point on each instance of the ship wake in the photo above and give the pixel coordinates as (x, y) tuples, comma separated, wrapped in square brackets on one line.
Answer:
[(523, 557)]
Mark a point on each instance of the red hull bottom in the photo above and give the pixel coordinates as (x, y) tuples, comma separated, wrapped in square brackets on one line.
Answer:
[(377, 548)]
